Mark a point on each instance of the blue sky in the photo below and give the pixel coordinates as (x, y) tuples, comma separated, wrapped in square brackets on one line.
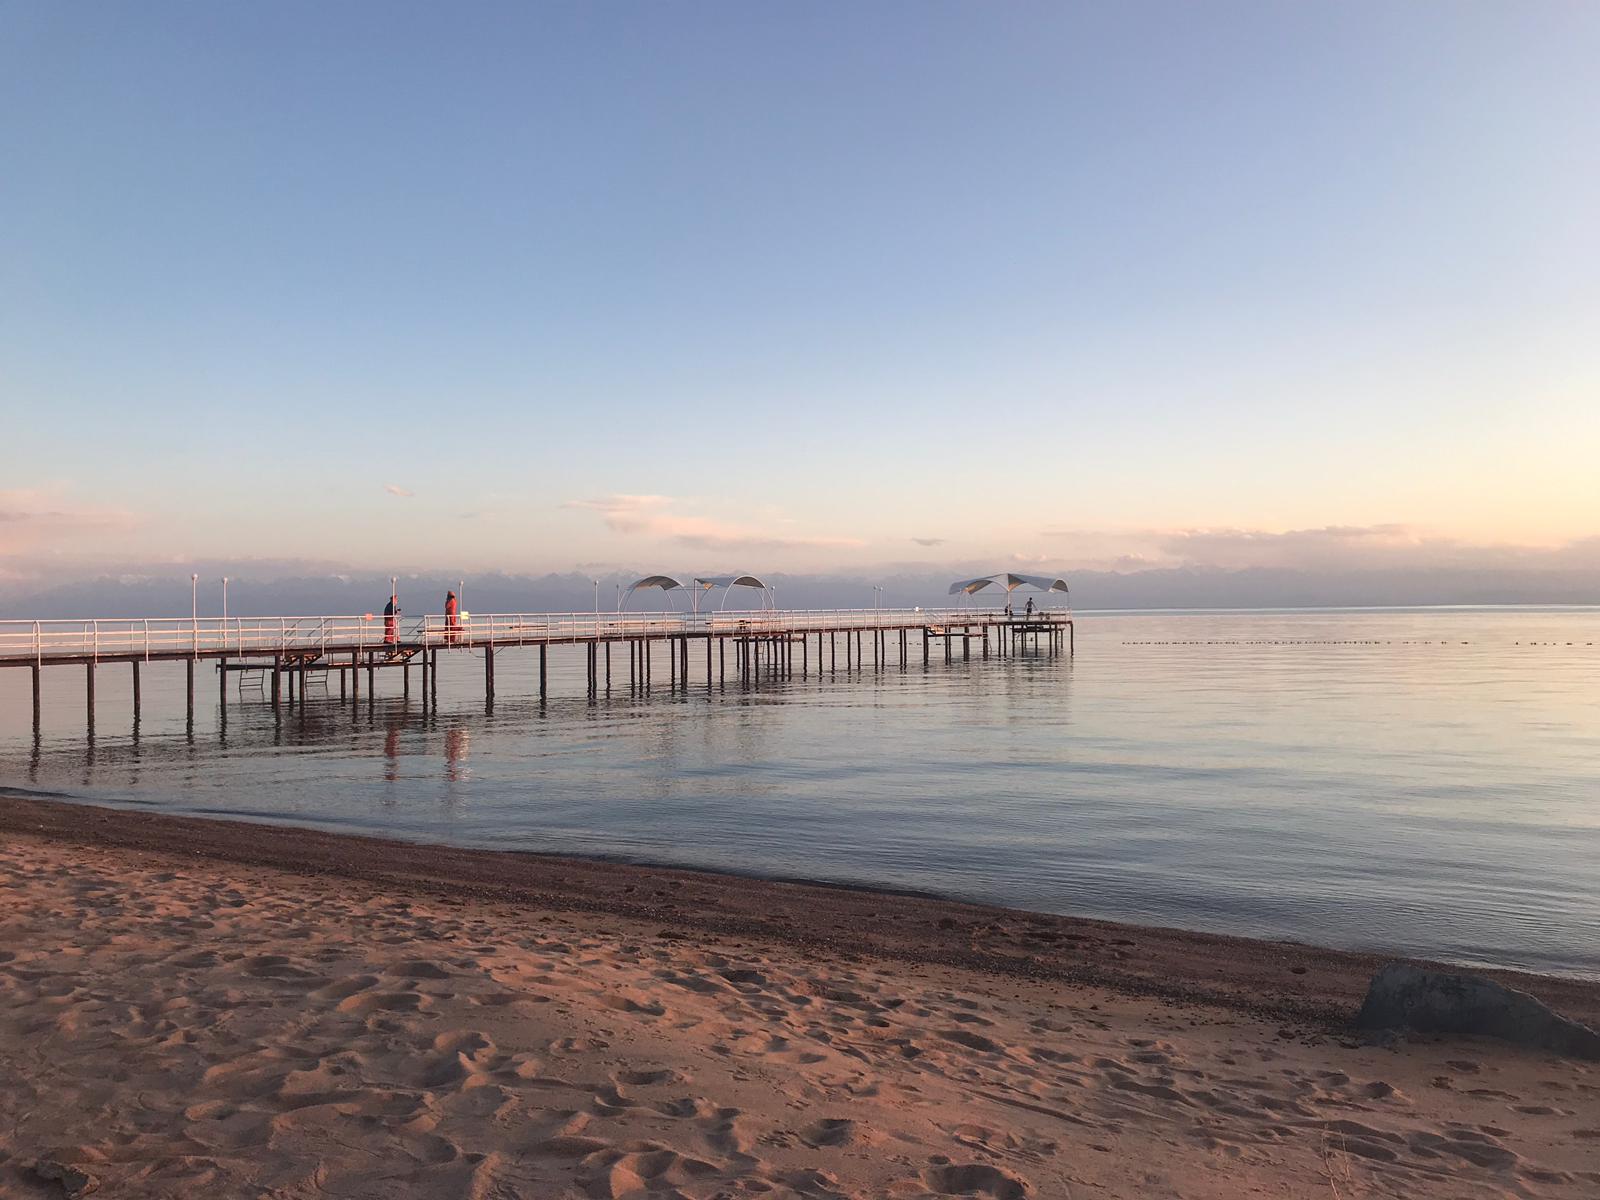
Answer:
[(796, 286)]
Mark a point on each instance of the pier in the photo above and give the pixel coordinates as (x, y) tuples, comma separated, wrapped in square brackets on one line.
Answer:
[(284, 656)]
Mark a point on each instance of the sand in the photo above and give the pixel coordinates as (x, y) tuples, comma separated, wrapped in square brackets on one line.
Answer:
[(183, 1022)]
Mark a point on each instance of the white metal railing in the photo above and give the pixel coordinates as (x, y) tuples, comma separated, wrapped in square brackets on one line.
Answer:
[(41, 641)]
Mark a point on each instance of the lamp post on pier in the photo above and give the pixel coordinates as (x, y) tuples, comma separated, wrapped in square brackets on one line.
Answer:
[(194, 614)]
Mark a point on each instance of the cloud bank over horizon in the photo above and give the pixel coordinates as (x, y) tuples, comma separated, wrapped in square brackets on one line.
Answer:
[(1333, 565), (59, 557)]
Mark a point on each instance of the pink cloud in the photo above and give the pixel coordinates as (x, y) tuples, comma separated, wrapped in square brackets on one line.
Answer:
[(652, 516)]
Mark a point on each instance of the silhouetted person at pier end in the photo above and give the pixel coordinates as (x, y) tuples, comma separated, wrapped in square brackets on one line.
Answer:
[(1028, 610), (391, 622), (452, 619)]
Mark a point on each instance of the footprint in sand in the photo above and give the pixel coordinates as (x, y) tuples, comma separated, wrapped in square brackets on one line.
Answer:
[(642, 1005), (976, 1179), (341, 989), (647, 1078), (643, 1167), (830, 1131), (363, 1004)]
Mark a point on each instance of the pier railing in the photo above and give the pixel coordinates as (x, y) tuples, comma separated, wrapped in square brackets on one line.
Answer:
[(211, 637)]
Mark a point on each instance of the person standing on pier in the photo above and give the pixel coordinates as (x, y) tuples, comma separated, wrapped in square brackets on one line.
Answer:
[(452, 619), (1028, 611), (391, 622)]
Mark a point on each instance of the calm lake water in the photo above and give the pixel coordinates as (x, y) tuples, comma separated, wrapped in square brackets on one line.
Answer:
[(1421, 781)]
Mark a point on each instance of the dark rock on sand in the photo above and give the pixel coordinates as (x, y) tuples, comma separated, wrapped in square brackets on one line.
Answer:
[(1403, 996), (74, 1182)]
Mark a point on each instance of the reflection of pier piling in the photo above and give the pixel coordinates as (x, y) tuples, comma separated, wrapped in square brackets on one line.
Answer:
[(279, 658)]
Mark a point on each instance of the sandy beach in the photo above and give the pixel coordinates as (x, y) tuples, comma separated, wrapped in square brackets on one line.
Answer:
[(220, 1009)]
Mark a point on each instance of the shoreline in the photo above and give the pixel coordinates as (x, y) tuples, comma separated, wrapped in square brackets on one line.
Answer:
[(1263, 978), (193, 1006)]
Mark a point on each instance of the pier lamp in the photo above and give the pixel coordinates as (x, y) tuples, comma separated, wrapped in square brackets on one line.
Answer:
[(194, 610)]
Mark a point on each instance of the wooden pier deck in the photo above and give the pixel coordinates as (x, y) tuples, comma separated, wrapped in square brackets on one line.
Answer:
[(282, 653)]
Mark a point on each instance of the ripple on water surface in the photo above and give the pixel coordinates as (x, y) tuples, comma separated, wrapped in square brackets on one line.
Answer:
[(1421, 781)]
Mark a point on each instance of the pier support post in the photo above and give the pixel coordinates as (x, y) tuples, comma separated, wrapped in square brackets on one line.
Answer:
[(222, 686), (433, 680), (488, 674), (424, 665), (277, 681), (90, 699), (544, 673), (608, 668), (372, 676), (924, 647), (37, 707)]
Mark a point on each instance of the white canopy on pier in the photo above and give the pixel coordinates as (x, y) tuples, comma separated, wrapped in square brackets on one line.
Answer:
[(729, 582), (665, 582), (1010, 582)]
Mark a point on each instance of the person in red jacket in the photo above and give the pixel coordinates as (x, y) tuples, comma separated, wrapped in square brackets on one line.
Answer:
[(452, 619)]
